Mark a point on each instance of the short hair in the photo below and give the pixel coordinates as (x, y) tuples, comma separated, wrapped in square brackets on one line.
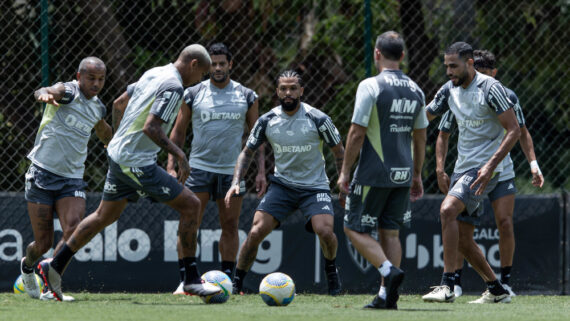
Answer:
[(390, 44), (91, 61), (484, 59), (220, 49), (289, 73), (462, 49), (195, 51)]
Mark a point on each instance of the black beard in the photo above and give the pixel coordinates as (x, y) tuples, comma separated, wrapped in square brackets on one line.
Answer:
[(289, 106)]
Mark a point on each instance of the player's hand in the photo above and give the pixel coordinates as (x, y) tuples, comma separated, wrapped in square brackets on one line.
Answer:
[(537, 178), (484, 175), (443, 182), (234, 190), (342, 183), (48, 99), (183, 169), (417, 189), (172, 172), (342, 199), (260, 184)]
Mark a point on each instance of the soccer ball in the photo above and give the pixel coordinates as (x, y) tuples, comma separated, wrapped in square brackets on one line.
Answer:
[(277, 289), (19, 284), (220, 279)]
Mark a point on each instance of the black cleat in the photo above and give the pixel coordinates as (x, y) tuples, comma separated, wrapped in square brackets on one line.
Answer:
[(237, 286), (392, 283), (335, 286), (379, 303)]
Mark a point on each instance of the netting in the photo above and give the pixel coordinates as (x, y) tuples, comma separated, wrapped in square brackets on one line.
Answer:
[(328, 42)]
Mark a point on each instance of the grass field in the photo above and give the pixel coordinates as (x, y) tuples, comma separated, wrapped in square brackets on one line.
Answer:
[(305, 307)]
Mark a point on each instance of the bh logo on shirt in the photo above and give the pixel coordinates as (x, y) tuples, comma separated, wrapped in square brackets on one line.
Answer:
[(399, 175)]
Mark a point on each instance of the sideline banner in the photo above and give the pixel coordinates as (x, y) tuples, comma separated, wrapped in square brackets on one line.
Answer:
[(138, 253)]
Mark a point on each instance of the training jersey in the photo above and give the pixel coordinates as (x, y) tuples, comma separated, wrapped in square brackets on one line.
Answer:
[(390, 106), (475, 109), (159, 92), (447, 124), (218, 121), (297, 143), (61, 142)]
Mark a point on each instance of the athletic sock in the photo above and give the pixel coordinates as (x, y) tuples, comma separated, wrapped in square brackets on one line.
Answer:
[(181, 270), (506, 274), (191, 269), (228, 267), (239, 277), (62, 258), (382, 292), (330, 266), (384, 268), (448, 278), (458, 277), (496, 288)]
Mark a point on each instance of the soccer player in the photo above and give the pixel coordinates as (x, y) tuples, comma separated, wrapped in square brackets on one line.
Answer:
[(219, 109), (389, 113), (132, 153), (503, 196), (484, 113), (296, 132), (54, 180)]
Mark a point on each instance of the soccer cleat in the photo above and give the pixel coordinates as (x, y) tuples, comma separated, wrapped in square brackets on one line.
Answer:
[(237, 286), (509, 289), (440, 293), (201, 289), (51, 278), (47, 296), (30, 283), (457, 290), (180, 289), (379, 303), (488, 297), (392, 282), (335, 286)]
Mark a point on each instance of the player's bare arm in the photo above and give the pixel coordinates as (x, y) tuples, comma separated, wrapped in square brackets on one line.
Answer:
[(242, 164), (260, 179), (419, 137), (430, 116), (178, 135), (103, 131), (509, 122), (354, 142), (338, 152), (441, 147), (119, 106), (527, 146), (152, 128), (50, 95)]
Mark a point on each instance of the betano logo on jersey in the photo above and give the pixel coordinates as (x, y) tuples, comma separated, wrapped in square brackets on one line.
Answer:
[(473, 123), (73, 122), (291, 148), (206, 116)]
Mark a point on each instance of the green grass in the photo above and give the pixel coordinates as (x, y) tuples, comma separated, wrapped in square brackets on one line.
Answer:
[(305, 307)]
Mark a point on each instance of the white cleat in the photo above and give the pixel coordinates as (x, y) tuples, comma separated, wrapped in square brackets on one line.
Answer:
[(509, 289), (179, 290), (457, 290), (487, 297), (30, 282), (201, 289), (48, 296), (440, 293)]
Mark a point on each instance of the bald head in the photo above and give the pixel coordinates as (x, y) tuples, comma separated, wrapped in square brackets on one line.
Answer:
[(197, 52), (91, 63)]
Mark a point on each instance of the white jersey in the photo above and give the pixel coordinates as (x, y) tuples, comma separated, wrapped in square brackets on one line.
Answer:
[(61, 141), (158, 92)]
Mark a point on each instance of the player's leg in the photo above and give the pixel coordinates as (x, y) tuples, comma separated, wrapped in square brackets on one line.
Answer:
[(503, 202), (70, 211), (322, 225), (457, 288), (229, 240), (263, 224)]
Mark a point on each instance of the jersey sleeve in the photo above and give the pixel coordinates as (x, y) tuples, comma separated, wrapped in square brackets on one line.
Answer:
[(517, 107), (439, 104), (71, 90), (257, 134), (190, 94), (131, 89), (250, 97), (327, 131), (447, 122), (497, 98), (168, 97), (366, 95)]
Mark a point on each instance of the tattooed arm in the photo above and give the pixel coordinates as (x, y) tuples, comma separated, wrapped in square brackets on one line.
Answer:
[(242, 164), (119, 106)]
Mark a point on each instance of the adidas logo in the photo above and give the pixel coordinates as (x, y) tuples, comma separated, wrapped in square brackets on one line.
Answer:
[(326, 207), (511, 186)]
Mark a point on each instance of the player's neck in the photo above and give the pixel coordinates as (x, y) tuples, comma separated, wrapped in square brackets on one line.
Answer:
[(220, 85), (292, 112), (469, 80), (389, 65)]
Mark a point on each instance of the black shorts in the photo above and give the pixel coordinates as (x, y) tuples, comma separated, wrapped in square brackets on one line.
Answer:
[(217, 185), (45, 187)]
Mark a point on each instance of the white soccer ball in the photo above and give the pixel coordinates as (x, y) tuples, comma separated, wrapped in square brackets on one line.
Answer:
[(277, 289), (19, 284), (220, 279)]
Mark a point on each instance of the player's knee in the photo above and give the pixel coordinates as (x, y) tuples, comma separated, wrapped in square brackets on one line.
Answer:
[(70, 226), (447, 213), (324, 232), (505, 226)]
